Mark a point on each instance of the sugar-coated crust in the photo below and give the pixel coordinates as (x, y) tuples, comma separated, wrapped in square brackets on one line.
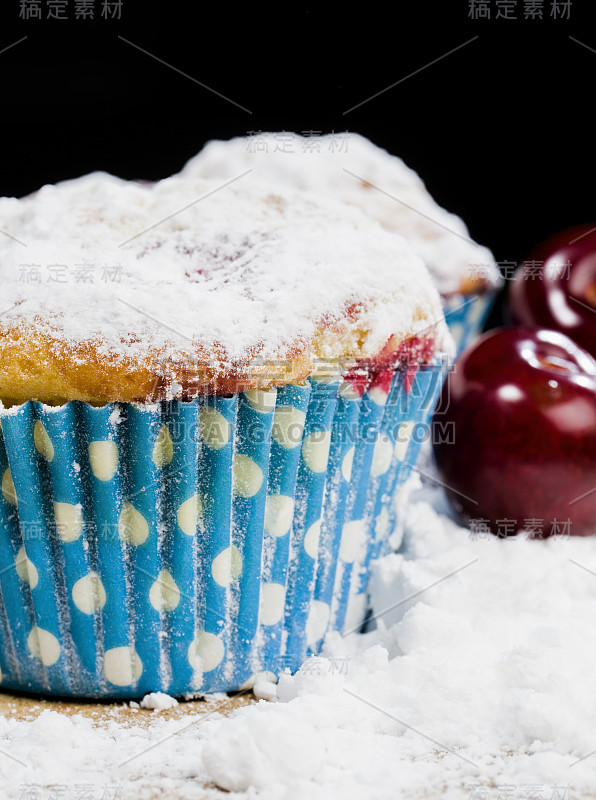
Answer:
[(350, 168), (117, 291)]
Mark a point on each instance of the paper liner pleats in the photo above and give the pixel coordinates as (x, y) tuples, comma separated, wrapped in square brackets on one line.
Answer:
[(189, 546)]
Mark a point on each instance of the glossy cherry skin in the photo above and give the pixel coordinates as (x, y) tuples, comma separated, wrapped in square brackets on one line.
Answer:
[(522, 403), (555, 287)]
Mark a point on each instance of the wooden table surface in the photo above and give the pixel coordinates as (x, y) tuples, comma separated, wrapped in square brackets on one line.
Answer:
[(27, 708)]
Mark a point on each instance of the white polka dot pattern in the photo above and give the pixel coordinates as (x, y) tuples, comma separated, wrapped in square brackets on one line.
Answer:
[(8, 490), (382, 456), (227, 566), (378, 396), (206, 651), (247, 476), (163, 449), (347, 464), (273, 596), (458, 332), (69, 521), (88, 594), (164, 594), (103, 459), (317, 621), (133, 528), (279, 511), (382, 525), (263, 402), (122, 666), (43, 645), (476, 312), (288, 426), (315, 450), (43, 443), (355, 612), (400, 496), (189, 513), (26, 569), (404, 434), (311, 539), (214, 429), (351, 535)]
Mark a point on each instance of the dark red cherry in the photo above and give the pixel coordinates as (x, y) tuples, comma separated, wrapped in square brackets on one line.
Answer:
[(555, 287), (522, 407)]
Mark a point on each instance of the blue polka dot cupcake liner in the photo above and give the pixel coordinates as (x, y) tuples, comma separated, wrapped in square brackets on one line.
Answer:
[(192, 546), (465, 316)]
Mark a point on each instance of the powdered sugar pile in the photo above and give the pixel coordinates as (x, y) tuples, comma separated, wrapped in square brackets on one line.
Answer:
[(158, 701), (188, 263), (478, 683), (357, 172)]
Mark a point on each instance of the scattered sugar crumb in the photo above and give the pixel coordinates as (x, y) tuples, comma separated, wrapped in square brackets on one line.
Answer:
[(115, 417), (158, 701), (265, 690)]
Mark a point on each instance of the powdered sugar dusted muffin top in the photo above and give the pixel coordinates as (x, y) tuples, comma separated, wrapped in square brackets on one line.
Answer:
[(115, 290), (352, 169)]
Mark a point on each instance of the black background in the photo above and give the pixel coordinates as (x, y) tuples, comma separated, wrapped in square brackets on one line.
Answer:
[(501, 129)]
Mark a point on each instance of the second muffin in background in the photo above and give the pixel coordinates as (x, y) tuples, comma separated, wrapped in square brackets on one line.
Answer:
[(349, 168)]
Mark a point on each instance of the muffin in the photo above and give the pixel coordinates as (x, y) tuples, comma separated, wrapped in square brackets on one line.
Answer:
[(209, 395), (349, 168)]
